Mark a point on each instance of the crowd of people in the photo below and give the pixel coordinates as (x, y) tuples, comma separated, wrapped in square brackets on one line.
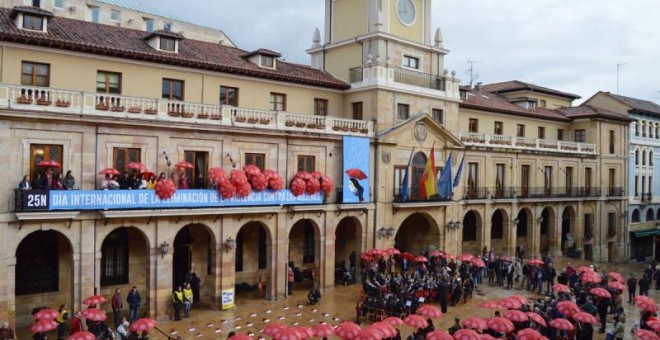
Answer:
[(49, 180)]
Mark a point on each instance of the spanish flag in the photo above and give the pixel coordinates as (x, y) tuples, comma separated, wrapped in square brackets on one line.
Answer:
[(427, 184)]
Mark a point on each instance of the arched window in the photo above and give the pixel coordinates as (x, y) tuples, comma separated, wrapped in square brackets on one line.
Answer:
[(37, 264), (636, 157), (635, 216), (657, 130), (644, 157), (114, 258), (643, 129), (637, 128), (650, 214), (657, 214), (470, 227)]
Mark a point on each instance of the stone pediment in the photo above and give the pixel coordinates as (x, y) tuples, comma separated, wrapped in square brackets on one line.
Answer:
[(420, 130)]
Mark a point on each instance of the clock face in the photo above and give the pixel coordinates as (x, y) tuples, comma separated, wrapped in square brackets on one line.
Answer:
[(406, 12)]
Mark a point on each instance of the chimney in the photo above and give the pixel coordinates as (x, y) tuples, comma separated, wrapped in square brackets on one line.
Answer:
[(479, 86)]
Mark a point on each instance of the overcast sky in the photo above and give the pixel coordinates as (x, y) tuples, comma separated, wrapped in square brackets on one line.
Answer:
[(569, 45)]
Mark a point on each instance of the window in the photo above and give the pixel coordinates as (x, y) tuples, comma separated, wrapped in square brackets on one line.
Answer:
[(267, 61), (33, 22), (197, 175), (499, 128), (43, 152), (438, 115), (148, 25), (122, 156), (611, 224), (167, 44), (636, 157), (473, 179), (308, 243), (36, 3), (612, 181), (637, 128), (611, 141), (108, 82), (499, 180), (277, 101), (403, 111), (173, 89), (238, 264), (306, 163), (520, 131), (167, 26), (320, 107), (650, 186), (588, 226), (651, 158), (524, 180), (636, 185), (560, 134), (115, 15), (35, 74), (569, 180), (542, 103), (399, 172), (473, 125), (580, 136), (547, 181), (644, 157), (657, 131), (228, 96), (256, 159), (410, 62), (94, 14), (587, 181), (541, 132), (263, 253), (59, 4), (37, 263), (357, 110), (643, 187), (114, 258)]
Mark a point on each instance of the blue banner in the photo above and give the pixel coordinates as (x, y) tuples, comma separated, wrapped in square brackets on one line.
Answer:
[(147, 199), (356, 170)]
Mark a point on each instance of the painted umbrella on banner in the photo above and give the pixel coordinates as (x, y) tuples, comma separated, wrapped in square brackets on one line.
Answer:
[(82, 336), (466, 334), (46, 314), (562, 325), (356, 173), (537, 318), (438, 335), (43, 326)]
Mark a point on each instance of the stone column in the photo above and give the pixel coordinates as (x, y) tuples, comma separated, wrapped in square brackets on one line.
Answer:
[(76, 286), (218, 273), (487, 226), (279, 260), (8, 290), (150, 300), (326, 274), (536, 235), (579, 229), (163, 307), (510, 249), (555, 237)]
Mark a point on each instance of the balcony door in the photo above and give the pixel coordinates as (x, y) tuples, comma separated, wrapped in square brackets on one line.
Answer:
[(524, 181), (548, 181), (569, 180), (418, 166), (611, 181), (499, 180), (473, 179), (197, 175), (587, 181)]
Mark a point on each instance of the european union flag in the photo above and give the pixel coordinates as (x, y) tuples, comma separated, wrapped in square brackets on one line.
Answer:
[(444, 182)]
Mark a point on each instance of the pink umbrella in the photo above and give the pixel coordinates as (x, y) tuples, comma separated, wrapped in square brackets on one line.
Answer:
[(654, 324), (49, 163), (43, 326), (519, 298), (394, 321), (347, 330), (82, 336), (421, 259), (560, 288), (137, 166), (143, 324), (323, 330), (475, 323), (305, 332), (643, 334), (94, 314), (584, 317), (184, 165), (415, 321), (646, 303), (466, 334), (537, 318), (385, 328), (567, 308), (500, 325), (617, 285), (438, 335), (600, 292), (393, 251), (465, 257), (240, 337), (429, 311), (273, 328), (534, 262), (435, 253), (368, 334), (516, 316), (46, 314), (490, 305), (288, 333), (591, 277), (509, 303), (529, 334), (94, 300), (109, 171), (562, 324)]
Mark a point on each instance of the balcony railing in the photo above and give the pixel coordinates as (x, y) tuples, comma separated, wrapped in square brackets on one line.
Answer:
[(558, 192), (647, 197), (615, 192), (416, 78), (414, 197), (44, 100), (501, 193), (355, 75), (476, 193), (524, 143)]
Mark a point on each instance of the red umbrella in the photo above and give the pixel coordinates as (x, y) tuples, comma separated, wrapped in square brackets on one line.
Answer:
[(407, 256), (137, 166), (475, 323), (367, 257), (516, 316), (529, 334), (562, 324), (646, 303), (375, 252), (536, 317), (421, 259), (500, 325), (184, 165), (486, 337), (82, 336), (504, 258), (616, 276), (585, 269), (643, 334), (429, 311), (435, 253), (449, 256), (617, 285), (369, 334), (356, 173), (478, 263), (415, 321), (465, 257), (304, 332), (393, 251), (601, 292), (109, 171), (584, 317), (147, 174), (490, 305), (519, 298), (438, 335), (385, 328), (509, 303), (240, 337), (49, 163), (143, 324), (94, 300), (466, 334), (273, 328), (591, 277), (560, 288), (347, 330), (535, 262), (654, 324), (46, 314), (43, 326), (394, 321), (94, 314), (323, 330), (568, 308)]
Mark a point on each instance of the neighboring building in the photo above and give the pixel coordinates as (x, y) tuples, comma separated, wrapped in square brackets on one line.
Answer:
[(159, 97), (643, 184), (133, 14)]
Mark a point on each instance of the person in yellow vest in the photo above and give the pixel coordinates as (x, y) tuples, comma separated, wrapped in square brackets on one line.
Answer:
[(187, 300), (177, 299), (62, 328)]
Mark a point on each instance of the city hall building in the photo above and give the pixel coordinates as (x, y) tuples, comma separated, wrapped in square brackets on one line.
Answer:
[(371, 107)]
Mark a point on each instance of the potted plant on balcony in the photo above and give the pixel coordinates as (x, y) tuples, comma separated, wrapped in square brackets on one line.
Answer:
[(320, 126), (186, 114), (354, 129), (336, 128), (239, 119), (102, 107), (150, 111), (344, 128), (173, 113), (264, 121), (23, 99), (62, 103), (203, 115), (252, 120), (43, 102), (117, 108), (311, 126), (301, 124), (134, 109), (289, 123), (364, 131), (216, 116)]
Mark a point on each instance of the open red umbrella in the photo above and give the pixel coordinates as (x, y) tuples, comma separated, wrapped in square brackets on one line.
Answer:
[(535, 262), (304, 332), (438, 335), (487, 337), (519, 298), (415, 321), (490, 305), (407, 256), (529, 334), (94, 300), (49, 163), (143, 324), (367, 257), (394, 321), (516, 316), (347, 330), (82, 336), (323, 330), (137, 166), (109, 171), (356, 173), (654, 324), (273, 328), (643, 334), (509, 303), (504, 258), (584, 317), (475, 323), (601, 292), (466, 334), (536, 317), (184, 165), (568, 308), (239, 337), (585, 269), (46, 314), (500, 325), (429, 311), (369, 334), (616, 277), (465, 257), (449, 256), (375, 252), (385, 328), (646, 303), (435, 253), (562, 324), (94, 314), (617, 285), (560, 288), (420, 259), (392, 251), (43, 326), (591, 277), (478, 263)]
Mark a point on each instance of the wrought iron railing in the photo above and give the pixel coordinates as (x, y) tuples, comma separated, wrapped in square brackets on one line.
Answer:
[(476, 193), (355, 75), (416, 78), (615, 192), (557, 192), (415, 197)]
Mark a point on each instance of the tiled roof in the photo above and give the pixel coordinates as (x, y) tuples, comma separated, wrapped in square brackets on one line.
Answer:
[(264, 51), (638, 104), (517, 85), (486, 101), (106, 40), (588, 111), (30, 10)]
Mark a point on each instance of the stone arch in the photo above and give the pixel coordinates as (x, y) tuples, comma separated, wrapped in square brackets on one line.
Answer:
[(348, 240), (568, 229), (524, 223), (417, 232), (193, 251), (499, 231), (650, 215), (305, 248), (254, 247), (635, 218), (44, 267), (472, 227), (657, 214), (548, 232)]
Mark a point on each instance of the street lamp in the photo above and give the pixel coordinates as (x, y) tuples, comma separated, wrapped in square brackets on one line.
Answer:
[(230, 243), (164, 249)]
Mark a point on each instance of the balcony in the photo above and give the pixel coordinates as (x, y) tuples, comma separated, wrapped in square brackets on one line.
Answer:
[(404, 80), (416, 78), (501, 193), (414, 197), (476, 193), (647, 197), (558, 192), (615, 192), (523, 143), (94, 105)]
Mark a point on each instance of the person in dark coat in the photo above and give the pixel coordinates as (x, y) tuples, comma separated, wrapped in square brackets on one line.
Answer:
[(124, 181), (196, 284), (455, 327), (632, 287), (644, 284), (443, 291), (603, 305), (134, 300)]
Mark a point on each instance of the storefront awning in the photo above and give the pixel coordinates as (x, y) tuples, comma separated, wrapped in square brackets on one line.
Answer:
[(646, 233)]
